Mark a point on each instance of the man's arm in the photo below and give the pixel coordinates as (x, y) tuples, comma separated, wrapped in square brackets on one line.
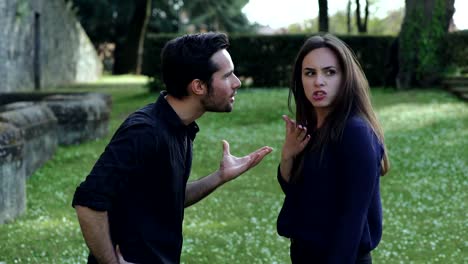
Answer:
[(95, 228), (230, 168)]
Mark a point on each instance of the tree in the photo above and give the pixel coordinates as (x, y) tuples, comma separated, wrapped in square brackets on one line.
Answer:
[(348, 17), (218, 15), (389, 25), (125, 22), (323, 15), (129, 47), (360, 23), (421, 42)]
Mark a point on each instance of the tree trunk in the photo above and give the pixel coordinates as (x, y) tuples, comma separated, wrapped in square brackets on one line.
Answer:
[(323, 15), (127, 49), (422, 41), (362, 25), (348, 17), (141, 41)]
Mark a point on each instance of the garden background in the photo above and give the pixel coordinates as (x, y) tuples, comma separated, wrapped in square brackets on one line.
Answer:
[(426, 126)]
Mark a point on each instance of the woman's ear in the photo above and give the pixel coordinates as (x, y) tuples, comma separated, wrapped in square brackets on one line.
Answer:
[(197, 87)]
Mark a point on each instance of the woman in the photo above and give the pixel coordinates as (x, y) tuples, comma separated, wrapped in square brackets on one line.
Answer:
[(332, 159)]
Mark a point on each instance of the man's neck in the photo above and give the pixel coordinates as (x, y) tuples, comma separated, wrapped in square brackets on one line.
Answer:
[(187, 108)]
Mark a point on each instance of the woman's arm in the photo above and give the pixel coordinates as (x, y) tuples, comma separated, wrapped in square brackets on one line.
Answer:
[(358, 173)]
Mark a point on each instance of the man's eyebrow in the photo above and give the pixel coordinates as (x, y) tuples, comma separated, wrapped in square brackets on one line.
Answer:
[(228, 73)]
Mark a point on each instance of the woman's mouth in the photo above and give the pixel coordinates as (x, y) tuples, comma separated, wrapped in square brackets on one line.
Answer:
[(319, 95)]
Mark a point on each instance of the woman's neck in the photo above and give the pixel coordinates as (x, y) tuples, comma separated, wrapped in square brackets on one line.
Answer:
[(321, 114)]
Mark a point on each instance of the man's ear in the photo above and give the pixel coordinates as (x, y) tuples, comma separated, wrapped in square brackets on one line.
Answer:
[(198, 87)]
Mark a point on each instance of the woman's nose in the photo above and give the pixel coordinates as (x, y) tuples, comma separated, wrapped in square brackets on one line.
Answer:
[(319, 80)]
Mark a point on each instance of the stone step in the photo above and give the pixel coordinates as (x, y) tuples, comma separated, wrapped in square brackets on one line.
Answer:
[(459, 89), (458, 81)]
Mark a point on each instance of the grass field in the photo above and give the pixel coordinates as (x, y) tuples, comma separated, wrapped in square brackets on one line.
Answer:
[(424, 195)]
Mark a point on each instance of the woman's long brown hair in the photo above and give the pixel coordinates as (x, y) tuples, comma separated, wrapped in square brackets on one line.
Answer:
[(353, 98)]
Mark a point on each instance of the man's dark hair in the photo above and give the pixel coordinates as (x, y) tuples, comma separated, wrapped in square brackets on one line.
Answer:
[(187, 58)]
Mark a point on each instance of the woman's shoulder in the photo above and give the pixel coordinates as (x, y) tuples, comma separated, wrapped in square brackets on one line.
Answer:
[(360, 133), (356, 122)]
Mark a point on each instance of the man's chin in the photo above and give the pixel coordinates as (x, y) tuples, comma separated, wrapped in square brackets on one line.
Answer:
[(218, 108)]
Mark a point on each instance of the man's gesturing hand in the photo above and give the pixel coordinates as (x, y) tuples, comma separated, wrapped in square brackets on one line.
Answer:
[(232, 166)]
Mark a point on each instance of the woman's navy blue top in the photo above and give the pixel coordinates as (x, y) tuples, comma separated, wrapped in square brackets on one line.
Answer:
[(335, 208)]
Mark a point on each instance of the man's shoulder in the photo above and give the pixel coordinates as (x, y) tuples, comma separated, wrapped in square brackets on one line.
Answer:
[(145, 116), (142, 121)]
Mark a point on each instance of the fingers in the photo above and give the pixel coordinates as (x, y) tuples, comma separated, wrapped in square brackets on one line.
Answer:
[(119, 254), (290, 124), (305, 141), (299, 131), (225, 147), (258, 155), (293, 130)]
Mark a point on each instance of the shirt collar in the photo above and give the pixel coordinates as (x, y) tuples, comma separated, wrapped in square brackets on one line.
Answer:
[(168, 114)]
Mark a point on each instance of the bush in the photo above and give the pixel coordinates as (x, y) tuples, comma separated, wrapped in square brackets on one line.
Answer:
[(457, 51), (268, 59)]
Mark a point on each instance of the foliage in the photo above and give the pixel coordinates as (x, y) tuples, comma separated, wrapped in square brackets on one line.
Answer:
[(456, 52), (268, 59), (424, 195), (165, 16), (389, 25), (108, 20), (125, 23), (422, 42), (104, 20), (217, 15)]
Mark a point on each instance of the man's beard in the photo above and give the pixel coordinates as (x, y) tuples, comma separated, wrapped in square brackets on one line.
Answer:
[(210, 104)]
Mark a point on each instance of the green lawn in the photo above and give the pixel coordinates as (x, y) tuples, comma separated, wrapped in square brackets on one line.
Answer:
[(424, 195)]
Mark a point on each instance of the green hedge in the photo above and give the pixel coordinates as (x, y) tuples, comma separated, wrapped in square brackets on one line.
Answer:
[(268, 59), (457, 50)]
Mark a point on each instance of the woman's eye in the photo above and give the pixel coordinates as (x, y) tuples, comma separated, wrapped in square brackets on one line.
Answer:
[(309, 73), (331, 72)]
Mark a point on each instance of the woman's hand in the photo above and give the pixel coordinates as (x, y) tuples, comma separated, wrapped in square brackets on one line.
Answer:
[(295, 141)]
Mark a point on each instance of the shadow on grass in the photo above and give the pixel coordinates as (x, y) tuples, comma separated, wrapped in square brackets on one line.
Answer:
[(385, 97)]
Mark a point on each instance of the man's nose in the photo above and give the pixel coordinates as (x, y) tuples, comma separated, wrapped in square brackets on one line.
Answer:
[(237, 83)]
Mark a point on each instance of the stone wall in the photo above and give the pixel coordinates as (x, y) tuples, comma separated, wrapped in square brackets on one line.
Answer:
[(31, 126), (12, 177), (64, 52), (39, 126)]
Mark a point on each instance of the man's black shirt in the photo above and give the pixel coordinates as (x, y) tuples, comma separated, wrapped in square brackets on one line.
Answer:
[(140, 180)]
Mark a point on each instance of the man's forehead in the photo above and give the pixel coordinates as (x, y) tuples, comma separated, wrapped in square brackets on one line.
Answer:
[(222, 59)]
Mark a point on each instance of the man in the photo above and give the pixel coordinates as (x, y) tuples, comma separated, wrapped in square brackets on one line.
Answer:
[(131, 206)]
